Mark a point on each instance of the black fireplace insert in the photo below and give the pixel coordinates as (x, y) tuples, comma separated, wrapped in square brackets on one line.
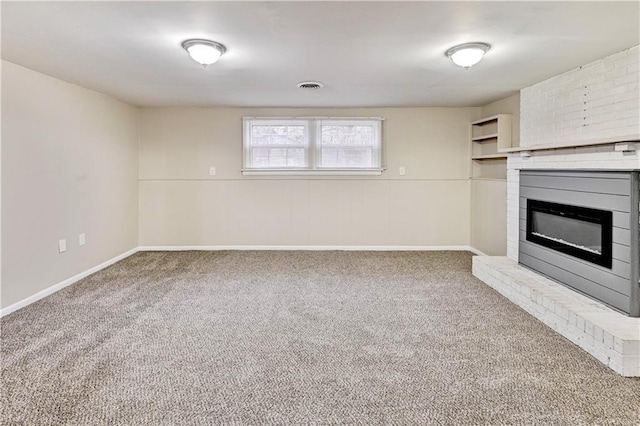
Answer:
[(581, 232)]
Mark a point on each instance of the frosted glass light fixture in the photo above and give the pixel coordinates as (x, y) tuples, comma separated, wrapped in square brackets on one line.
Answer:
[(468, 54), (205, 52)]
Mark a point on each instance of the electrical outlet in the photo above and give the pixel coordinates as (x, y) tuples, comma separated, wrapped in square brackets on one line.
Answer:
[(82, 239), (212, 171), (402, 171), (62, 246)]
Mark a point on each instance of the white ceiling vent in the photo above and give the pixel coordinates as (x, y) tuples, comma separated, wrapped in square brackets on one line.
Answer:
[(310, 85)]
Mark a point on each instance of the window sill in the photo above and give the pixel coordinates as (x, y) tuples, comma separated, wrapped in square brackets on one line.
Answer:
[(333, 172)]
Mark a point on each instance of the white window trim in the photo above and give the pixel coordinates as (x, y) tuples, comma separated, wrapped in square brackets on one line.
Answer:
[(314, 172), (246, 149), (313, 148)]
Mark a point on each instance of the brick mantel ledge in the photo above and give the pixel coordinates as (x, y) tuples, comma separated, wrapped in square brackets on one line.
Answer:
[(634, 139)]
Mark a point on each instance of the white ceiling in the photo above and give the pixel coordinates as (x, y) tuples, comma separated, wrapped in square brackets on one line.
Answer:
[(366, 53)]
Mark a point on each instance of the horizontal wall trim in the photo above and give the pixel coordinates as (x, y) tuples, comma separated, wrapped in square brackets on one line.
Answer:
[(313, 248), (62, 284)]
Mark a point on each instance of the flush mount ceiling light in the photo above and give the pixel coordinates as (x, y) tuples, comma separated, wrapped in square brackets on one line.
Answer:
[(205, 52), (468, 54)]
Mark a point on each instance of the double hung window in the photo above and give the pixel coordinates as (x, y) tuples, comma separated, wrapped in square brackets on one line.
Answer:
[(322, 145)]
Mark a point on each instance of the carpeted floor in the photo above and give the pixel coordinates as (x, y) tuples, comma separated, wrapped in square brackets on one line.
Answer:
[(188, 338)]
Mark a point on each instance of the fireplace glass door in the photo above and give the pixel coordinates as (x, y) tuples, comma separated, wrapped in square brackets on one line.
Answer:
[(581, 232)]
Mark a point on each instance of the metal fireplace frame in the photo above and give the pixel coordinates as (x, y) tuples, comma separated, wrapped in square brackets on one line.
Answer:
[(604, 218)]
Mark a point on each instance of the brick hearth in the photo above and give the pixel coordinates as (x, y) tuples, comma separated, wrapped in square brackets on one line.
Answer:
[(611, 337)]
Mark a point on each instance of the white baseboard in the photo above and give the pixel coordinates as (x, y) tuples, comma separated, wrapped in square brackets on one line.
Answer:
[(59, 286), (312, 248), (476, 251)]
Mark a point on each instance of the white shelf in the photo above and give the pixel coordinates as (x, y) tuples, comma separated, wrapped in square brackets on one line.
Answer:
[(488, 137), (487, 120), (488, 156), (485, 137)]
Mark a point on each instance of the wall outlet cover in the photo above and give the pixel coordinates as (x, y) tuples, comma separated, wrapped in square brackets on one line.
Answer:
[(62, 246), (82, 239), (212, 171)]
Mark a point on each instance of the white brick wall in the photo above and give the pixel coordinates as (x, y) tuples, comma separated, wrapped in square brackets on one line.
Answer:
[(513, 209), (597, 100)]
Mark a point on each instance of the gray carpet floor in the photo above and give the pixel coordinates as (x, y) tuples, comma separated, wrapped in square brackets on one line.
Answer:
[(199, 338)]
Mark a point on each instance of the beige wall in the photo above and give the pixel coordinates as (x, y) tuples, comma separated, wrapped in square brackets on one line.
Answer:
[(180, 204), (69, 165), (489, 196), (489, 216), (509, 105)]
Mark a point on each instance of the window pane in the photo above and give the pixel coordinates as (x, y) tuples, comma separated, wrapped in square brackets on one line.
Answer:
[(277, 157), (264, 158), (348, 135), (277, 135), (347, 157), (296, 157), (349, 144), (260, 158)]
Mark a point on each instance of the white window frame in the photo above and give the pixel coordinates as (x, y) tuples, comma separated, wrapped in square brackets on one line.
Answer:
[(247, 147), (313, 146)]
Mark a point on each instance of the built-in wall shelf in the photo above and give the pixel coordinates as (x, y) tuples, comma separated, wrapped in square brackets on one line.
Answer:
[(485, 137), (489, 156), (489, 137)]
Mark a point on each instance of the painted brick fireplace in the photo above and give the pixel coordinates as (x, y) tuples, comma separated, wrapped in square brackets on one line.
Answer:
[(600, 328), (583, 124)]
